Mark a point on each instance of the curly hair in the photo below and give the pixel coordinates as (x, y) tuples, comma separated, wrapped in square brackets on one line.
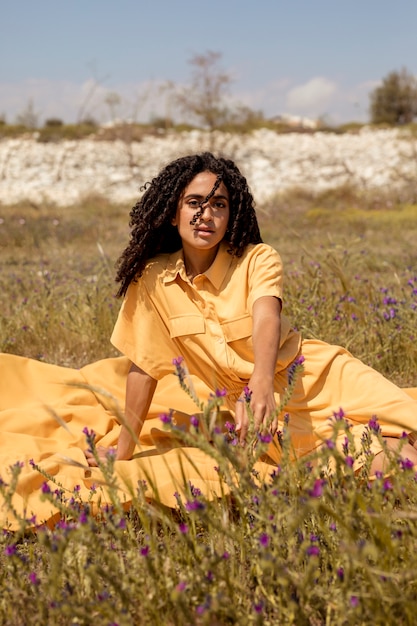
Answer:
[(152, 231)]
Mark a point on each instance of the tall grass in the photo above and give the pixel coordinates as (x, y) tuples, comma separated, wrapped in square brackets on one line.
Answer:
[(350, 277), (304, 546)]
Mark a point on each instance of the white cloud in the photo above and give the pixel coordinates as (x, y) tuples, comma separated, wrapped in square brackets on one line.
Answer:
[(270, 98), (312, 97)]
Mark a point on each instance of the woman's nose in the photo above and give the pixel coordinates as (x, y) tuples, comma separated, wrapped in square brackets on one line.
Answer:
[(205, 211)]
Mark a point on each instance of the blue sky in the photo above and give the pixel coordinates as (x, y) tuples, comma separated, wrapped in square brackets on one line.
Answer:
[(303, 57)]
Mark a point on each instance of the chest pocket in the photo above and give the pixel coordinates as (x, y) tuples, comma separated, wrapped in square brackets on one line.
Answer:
[(239, 328), (182, 325)]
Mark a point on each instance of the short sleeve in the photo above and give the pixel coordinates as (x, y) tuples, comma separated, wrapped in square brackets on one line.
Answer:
[(141, 334), (265, 274)]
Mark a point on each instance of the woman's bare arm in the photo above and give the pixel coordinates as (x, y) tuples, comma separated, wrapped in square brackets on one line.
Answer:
[(266, 337), (140, 388)]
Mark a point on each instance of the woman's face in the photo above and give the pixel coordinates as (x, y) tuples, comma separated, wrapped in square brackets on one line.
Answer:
[(207, 231)]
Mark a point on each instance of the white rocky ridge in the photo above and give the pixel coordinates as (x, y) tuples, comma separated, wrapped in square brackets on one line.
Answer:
[(66, 172)]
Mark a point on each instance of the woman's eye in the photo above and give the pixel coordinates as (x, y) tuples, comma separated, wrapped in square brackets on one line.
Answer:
[(192, 203)]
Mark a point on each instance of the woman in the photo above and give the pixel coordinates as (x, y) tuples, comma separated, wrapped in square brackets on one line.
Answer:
[(198, 283)]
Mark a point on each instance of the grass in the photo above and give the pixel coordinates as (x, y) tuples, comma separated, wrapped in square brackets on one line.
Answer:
[(306, 547)]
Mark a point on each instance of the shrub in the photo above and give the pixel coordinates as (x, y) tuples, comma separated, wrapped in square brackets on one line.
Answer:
[(395, 101)]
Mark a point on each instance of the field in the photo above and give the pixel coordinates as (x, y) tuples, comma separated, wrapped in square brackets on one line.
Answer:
[(303, 550), (350, 262)]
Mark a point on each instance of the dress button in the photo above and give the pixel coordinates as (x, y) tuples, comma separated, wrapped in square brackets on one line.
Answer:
[(220, 340)]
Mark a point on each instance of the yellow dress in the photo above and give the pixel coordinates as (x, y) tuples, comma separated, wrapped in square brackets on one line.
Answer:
[(209, 322), (45, 408)]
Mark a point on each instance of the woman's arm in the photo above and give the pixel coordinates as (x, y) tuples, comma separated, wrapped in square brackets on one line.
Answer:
[(140, 388), (265, 336)]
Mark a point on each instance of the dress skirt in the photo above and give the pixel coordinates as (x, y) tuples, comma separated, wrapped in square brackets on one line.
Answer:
[(45, 408)]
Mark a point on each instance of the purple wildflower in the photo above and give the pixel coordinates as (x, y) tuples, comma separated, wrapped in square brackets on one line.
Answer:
[(10, 550), (201, 608), (258, 606), (221, 393), (231, 433), (103, 596), (194, 505), (387, 485), (144, 551), (339, 415), (194, 421), (90, 436), (292, 369), (166, 418), (373, 424), (265, 437), (195, 491), (313, 550), (354, 601), (83, 517), (406, 464), (183, 528), (33, 578), (264, 540), (341, 573), (179, 369), (247, 393), (349, 461), (317, 489), (45, 488)]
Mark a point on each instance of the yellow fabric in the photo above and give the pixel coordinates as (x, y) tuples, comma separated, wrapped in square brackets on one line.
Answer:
[(43, 411), (37, 398), (208, 322), (332, 380)]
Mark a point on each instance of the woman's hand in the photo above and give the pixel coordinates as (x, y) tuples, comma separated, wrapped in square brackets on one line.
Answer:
[(259, 395), (102, 454)]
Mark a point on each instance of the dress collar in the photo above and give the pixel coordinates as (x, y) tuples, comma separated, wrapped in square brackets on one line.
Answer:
[(215, 273)]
